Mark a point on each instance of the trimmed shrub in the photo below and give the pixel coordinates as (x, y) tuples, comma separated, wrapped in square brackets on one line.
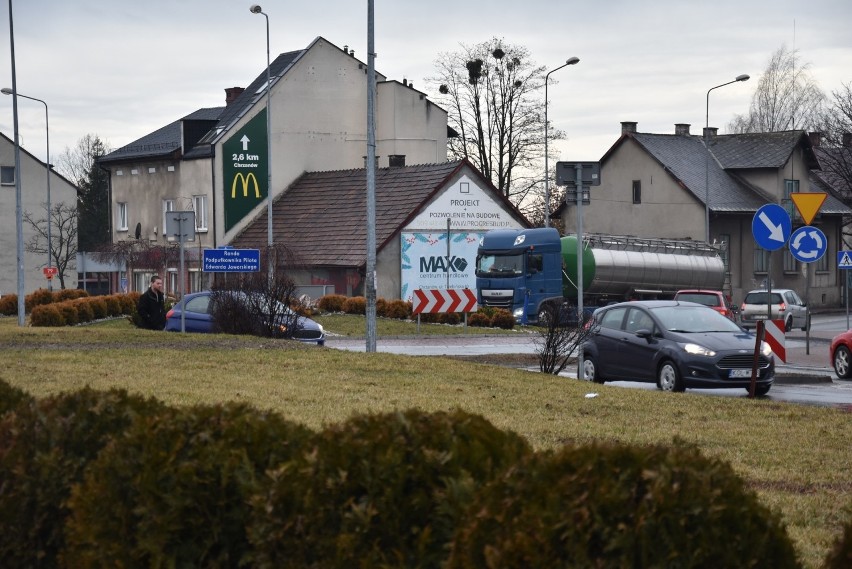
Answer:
[(355, 305), (451, 318), (37, 298), (840, 557), (113, 305), (399, 309), (621, 506), (378, 491), (11, 397), (331, 303), (69, 294), (45, 446), (503, 319), (99, 307), (9, 305), (381, 307), (85, 312), (173, 491), (69, 312), (46, 315), (479, 319)]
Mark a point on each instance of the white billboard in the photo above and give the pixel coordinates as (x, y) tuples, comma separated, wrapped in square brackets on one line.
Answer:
[(427, 263)]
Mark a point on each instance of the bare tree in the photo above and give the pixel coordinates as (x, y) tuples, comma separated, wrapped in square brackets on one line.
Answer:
[(63, 238), (787, 97), (835, 150), (560, 338), (80, 165), (493, 93)]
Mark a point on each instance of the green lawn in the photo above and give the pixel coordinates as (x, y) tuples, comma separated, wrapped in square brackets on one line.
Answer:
[(796, 457)]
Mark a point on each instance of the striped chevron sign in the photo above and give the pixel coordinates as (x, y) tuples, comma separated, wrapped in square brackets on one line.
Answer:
[(774, 336), (441, 300)]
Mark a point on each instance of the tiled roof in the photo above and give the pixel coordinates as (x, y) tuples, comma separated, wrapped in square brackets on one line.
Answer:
[(685, 158), (758, 150), (161, 142), (321, 218)]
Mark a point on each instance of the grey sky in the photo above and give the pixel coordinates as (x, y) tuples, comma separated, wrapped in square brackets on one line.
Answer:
[(123, 68)]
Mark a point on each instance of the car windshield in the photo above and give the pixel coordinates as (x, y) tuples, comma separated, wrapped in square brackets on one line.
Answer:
[(499, 265), (693, 319), (762, 298)]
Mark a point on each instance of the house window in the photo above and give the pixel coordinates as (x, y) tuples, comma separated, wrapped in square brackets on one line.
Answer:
[(152, 170), (168, 205), (199, 205), (790, 263), (790, 187), (122, 217), (761, 259), (7, 175), (637, 191)]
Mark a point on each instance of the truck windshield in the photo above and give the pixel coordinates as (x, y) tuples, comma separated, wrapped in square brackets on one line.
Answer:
[(499, 265)]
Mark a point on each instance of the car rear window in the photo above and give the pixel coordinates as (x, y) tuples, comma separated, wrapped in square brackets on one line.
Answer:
[(761, 298), (706, 299)]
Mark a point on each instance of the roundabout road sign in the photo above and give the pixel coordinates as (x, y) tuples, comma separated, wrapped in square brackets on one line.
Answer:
[(808, 244), (771, 226)]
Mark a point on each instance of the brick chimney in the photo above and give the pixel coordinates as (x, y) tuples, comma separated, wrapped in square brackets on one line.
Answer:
[(815, 138), (682, 129), (628, 127), (231, 94), (396, 160), (847, 139), (710, 131)]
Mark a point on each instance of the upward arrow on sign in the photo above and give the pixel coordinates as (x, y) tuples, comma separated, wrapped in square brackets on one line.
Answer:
[(808, 204)]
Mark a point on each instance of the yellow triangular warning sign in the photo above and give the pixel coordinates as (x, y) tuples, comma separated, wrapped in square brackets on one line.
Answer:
[(808, 204)]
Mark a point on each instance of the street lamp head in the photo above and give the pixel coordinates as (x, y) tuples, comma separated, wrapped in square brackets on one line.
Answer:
[(572, 61), (7, 91), (743, 77), (256, 9)]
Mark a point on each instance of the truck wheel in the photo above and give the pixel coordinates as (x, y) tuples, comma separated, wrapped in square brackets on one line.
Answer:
[(591, 372), (842, 362), (668, 378), (545, 314)]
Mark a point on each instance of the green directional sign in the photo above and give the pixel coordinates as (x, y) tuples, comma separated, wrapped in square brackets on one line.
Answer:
[(245, 170)]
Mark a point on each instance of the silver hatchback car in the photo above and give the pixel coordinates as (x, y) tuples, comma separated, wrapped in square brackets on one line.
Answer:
[(786, 305)]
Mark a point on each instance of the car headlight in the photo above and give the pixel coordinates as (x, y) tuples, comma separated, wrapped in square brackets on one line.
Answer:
[(698, 350), (518, 312), (765, 349)]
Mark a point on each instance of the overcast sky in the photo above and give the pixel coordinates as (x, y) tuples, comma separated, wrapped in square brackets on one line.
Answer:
[(123, 68)]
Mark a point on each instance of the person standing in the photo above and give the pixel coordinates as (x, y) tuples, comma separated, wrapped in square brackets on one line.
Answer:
[(152, 306)]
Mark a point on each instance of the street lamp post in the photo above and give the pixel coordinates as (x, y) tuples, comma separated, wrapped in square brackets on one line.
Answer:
[(571, 61), (8, 91), (19, 216), (256, 9), (739, 78)]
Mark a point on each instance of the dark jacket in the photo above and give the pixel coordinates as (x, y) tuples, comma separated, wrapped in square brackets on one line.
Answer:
[(152, 310)]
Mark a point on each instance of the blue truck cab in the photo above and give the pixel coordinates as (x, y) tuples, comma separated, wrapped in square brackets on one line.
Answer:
[(519, 270)]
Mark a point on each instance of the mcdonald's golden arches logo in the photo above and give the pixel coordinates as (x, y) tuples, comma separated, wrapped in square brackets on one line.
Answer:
[(246, 181)]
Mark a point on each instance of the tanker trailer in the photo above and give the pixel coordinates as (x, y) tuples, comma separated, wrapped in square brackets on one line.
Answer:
[(533, 272)]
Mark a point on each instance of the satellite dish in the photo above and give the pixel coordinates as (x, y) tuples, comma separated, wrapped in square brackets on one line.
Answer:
[(138, 230)]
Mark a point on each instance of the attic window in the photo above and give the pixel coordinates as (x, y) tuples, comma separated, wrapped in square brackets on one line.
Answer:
[(262, 88), (152, 170), (171, 168), (119, 172), (134, 171)]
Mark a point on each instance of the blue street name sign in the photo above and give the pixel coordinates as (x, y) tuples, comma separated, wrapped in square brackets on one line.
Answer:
[(231, 260), (808, 244), (844, 259), (771, 226)]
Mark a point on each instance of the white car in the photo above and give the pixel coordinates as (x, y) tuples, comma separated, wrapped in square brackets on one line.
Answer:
[(786, 305)]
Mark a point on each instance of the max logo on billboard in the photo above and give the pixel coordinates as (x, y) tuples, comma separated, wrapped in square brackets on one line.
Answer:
[(442, 264), (246, 181)]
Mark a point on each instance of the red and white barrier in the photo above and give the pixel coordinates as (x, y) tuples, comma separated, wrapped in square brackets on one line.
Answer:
[(444, 300)]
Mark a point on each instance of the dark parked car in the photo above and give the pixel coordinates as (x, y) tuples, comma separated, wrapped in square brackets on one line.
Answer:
[(198, 317), (674, 344), (841, 354)]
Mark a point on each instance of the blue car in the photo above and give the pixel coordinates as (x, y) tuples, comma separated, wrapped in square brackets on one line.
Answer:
[(198, 318), (676, 345)]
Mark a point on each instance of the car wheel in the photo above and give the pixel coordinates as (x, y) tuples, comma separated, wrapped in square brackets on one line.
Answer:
[(788, 324), (591, 371), (842, 363), (668, 378), (760, 390)]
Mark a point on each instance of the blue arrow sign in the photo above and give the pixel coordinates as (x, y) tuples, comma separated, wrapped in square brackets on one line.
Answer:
[(771, 226), (808, 244), (844, 259)]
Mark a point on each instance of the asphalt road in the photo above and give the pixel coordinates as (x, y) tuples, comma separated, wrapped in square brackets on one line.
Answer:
[(805, 378)]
